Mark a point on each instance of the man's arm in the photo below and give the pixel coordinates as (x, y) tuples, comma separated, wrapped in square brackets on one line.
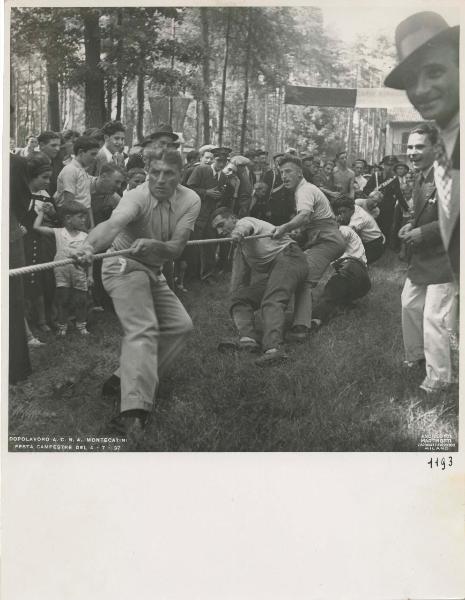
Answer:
[(154, 252), (101, 237), (302, 219)]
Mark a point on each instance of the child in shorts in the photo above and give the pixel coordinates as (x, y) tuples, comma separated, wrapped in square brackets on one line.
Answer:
[(72, 282)]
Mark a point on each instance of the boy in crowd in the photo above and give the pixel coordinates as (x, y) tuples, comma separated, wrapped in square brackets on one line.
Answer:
[(74, 182), (135, 177), (72, 282), (282, 267), (112, 149), (351, 280), (349, 213)]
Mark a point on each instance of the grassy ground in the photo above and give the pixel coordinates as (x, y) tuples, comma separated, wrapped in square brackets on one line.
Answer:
[(342, 390)]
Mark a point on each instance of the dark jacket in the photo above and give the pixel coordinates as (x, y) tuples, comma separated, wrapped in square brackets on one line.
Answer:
[(202, 179), (428, 261)]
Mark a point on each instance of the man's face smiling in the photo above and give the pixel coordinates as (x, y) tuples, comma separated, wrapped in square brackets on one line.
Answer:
[(163, 179), (420, 151), (115, 142), (432, 84)]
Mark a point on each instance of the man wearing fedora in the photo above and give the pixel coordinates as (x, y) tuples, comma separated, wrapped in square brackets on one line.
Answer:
[(428, 70)]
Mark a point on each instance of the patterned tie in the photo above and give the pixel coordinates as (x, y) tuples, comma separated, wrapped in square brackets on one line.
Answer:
[(442, 177)]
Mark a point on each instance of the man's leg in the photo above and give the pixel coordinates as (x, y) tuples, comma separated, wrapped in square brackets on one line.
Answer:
[(174, 324), (290, 270), (318, 259), (244, 303), (413, 305), (132, 298), (439, 306), (350, 282), (374, 250)]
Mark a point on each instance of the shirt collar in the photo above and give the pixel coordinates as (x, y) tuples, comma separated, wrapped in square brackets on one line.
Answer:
[(74, 161), (107, 153), (171, 201)]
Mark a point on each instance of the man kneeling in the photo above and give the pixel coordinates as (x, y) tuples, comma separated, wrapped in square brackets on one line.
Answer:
[(350, 281), (280, 266)]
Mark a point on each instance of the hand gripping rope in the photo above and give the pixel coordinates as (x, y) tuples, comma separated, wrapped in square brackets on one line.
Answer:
[(68, 261)]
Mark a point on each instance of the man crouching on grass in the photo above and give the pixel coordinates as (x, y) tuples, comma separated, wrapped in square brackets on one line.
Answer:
[(154, 220), (280, 267)]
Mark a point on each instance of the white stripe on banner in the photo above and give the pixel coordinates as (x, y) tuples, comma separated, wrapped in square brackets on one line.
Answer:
[(381, 98)]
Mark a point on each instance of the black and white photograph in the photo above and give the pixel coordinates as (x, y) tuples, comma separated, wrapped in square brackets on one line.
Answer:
[(233, 229), (230, 327)]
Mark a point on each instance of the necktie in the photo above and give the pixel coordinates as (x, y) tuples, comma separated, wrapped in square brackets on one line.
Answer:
[(442, 177)]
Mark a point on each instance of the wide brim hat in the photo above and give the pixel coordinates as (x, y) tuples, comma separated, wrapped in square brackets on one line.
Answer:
[(164, 130), (278, 155), (413, 35), (225, 152)]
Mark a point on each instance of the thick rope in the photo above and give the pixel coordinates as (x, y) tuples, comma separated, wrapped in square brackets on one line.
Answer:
[(68, 261)]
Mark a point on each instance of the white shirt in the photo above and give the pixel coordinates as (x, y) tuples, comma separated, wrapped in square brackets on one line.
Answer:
[(259, 254), (360, 182), (354, 246), (310, 198), (364, 224)]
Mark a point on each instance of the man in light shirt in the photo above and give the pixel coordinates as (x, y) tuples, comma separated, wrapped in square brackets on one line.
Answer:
[(280, 266), (349, 213), (154, 220), (74, 181), (359, 180), (320, 238)]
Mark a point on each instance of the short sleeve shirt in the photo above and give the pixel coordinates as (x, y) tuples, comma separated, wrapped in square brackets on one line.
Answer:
[(354, 246), (147, 217), (259, 254), (74, 178), (365, 225), (311, 199)]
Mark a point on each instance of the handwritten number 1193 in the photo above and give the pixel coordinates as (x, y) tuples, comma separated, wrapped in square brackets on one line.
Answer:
[(440, 463)]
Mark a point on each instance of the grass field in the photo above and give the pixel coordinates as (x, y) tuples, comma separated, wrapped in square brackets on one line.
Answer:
[(342, 390)]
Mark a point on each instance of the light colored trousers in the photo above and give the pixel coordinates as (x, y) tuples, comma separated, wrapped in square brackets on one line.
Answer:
[(429, 316), (154, 323)]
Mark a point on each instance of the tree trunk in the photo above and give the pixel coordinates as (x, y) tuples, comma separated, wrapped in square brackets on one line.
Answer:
[(223, 82), (140, 105), (94, 84), (119, 50), (109, 94), (246, 86), (53, 98), (205, 74)]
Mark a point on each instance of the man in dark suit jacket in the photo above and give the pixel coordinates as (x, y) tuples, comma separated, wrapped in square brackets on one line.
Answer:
[(389, 185), (211, 184), (428, 70), (429, 300)]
